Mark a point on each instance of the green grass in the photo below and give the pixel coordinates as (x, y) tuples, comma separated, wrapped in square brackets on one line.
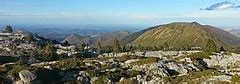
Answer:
[(127, 57), (17, 68), (178, 36), (73, 63), (195, 76), (235, 79)]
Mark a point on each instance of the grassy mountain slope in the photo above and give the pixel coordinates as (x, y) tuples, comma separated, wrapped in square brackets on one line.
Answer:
[(179, 35), (223, 36), (133, 36)]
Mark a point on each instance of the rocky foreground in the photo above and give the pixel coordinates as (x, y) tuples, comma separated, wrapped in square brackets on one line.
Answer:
[(139, 67)]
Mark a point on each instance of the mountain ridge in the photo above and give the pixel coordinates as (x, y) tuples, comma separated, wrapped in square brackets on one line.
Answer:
[(183, 34), (105, 39)]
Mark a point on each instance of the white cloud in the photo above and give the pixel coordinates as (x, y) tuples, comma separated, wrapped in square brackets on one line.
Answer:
[(222, 6)]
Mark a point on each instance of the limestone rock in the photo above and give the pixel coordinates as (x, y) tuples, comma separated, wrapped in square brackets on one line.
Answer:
[(221, 78), (177, 67), (26, 76), (19, 82), (222, 60)]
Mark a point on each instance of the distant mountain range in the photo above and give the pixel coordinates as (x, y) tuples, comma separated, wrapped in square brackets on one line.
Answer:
[(75, 39), (177, 34), (182, 34), (235, 32), (60, 32), (105, 39)]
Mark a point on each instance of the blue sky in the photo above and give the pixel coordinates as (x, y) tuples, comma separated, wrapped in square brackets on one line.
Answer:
[(129, 12)]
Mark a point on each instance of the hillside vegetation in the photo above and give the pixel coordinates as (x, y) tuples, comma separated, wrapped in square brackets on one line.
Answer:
[(185, 35)]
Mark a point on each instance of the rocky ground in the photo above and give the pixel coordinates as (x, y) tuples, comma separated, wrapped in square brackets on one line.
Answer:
[(139, 67)]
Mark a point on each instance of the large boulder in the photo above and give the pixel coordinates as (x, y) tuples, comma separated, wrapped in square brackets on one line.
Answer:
[(177, 67), (222, 60), (224, 78), (161, 72), (19, 82), (26, 76)]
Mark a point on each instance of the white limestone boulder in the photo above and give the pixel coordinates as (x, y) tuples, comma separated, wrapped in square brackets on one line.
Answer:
[(177, 67), (26, 76)]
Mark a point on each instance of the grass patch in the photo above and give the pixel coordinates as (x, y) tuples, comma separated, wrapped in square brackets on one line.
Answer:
[(235, 79), (195, 76), (15, 69), (128, 57), (197, 55), (73, 63)]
